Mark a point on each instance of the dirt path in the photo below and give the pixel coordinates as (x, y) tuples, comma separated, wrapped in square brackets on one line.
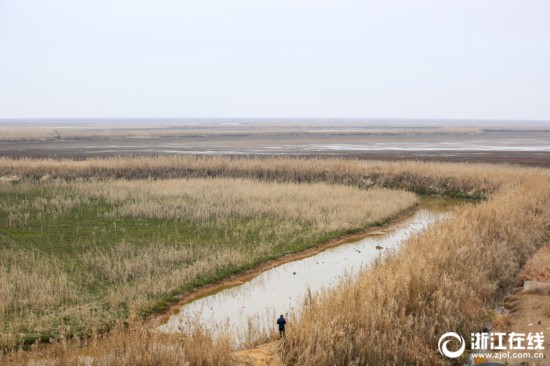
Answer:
[(529, 310), (264, 355)]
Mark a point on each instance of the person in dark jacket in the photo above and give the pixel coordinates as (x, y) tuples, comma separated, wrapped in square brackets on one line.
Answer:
[(281, 322)]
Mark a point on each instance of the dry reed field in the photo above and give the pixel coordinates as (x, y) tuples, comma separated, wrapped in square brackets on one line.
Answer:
[(470, 180), (132, 345), (28, 131), (77, 255), (447, 278)]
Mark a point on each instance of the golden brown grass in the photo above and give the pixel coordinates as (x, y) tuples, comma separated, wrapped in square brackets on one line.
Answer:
[(29, 281), (445, 279), (132, 244), (129, 345), (327, 207), (474, 179), (101, 131), (537, 268)]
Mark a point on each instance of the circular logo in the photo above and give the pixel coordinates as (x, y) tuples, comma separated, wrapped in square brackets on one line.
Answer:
[(446, 338)]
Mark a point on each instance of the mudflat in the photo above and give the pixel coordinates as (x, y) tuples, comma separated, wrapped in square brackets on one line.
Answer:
[(514, 142)]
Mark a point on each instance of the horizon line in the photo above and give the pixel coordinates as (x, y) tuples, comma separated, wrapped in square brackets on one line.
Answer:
[(414, 119)]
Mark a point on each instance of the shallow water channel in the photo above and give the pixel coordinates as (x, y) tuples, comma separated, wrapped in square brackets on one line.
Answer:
[(282, 289)]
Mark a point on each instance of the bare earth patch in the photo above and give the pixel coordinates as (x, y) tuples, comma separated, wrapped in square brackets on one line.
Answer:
[(265, 355), (530, 309)]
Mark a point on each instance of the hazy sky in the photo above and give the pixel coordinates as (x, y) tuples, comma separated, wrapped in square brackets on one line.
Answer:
[(275, 58)]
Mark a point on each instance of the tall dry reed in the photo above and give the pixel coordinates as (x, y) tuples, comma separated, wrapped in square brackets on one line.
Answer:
[(129, 345), (433, 177), (445, 279), (73, 254), (327, 207)]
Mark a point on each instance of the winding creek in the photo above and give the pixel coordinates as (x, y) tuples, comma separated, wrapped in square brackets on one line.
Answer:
[(282, 289)]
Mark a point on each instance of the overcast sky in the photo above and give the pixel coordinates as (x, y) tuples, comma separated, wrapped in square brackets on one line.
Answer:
[(486, 59)]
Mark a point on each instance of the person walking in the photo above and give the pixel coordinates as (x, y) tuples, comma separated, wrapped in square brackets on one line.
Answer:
[(281, 322)]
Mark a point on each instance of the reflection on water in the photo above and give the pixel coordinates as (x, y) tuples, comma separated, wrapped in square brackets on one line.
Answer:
[(282, 290), (449, 145), (372, 144)]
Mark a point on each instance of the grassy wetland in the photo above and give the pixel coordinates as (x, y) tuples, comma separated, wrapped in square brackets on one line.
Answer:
[(90, 243), (79, 254)]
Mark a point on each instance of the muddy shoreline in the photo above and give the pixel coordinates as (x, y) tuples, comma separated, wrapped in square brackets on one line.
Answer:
[(509, 144), (525, 158)]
